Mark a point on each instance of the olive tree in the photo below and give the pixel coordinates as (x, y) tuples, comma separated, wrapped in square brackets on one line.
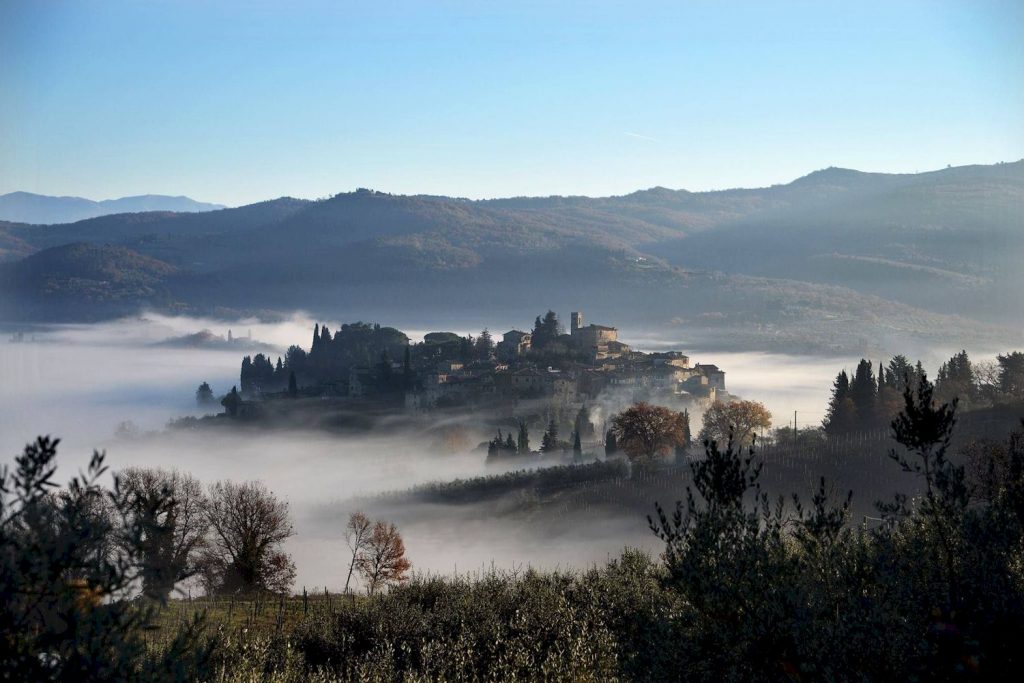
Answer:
[(169, 506), (67, 612)]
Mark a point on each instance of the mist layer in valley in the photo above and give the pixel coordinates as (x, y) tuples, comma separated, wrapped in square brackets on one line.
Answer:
[(114, 386)]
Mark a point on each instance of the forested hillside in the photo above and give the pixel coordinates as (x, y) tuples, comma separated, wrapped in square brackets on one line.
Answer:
[(904, 255)]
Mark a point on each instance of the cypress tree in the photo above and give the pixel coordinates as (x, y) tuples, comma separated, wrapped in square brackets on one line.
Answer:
[(611, 445), (550, 440), (232, 402), (407, 367), (524, 438), (246, 378), (582, 423)]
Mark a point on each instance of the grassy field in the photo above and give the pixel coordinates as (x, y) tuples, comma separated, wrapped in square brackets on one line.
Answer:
[(260, 616)]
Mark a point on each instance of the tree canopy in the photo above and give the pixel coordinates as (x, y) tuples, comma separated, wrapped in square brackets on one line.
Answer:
[(739, 420), (645, 431)]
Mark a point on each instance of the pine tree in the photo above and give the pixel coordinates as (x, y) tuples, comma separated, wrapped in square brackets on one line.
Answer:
[(900, 373), (1011, 373), (577, 446), (841, 415), (510, 443), (484, 346), (204, 394), (955, 380), (546, 331), (293, 385)]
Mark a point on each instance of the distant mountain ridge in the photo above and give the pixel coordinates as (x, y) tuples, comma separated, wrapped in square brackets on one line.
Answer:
[(38, 209), (835, 260)]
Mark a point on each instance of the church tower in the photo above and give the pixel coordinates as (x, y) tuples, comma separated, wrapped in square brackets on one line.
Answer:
[(575, 322)]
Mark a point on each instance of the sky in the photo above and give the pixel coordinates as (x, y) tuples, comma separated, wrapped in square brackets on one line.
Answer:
[(235, 102)]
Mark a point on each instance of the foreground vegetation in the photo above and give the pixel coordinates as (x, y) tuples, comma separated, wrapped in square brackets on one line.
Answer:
[(748, 588)]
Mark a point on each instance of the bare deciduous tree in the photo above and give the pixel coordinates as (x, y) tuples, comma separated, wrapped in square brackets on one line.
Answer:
[(357, 534), (383, 562), (169, 508), (644, 431), (249, 525)]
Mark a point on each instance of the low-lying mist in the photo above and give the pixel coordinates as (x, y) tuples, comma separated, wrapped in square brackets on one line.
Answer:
[(82, 382)]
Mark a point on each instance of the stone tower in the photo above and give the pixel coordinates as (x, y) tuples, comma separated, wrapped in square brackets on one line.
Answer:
[(575, 322)]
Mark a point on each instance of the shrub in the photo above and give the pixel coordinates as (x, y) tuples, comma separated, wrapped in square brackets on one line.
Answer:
[(66, 586)]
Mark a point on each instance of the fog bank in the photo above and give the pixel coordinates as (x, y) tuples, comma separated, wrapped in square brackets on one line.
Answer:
[(79, 382)]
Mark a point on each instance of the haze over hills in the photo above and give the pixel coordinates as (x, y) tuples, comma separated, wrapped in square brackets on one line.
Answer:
[(899, 256), (25, 207)]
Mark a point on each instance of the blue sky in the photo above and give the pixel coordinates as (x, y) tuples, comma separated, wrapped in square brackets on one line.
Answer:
[(240, 101)]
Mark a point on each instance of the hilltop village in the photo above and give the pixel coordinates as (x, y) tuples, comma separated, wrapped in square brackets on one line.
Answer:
[(371, 365)]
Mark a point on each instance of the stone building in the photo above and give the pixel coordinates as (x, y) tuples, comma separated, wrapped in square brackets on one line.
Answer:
[(514, 344), (600, 342), (716, 377)]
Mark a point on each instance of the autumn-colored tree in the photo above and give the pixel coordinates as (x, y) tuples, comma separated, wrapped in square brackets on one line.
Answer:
[(357, 535), (383, 561), (644, 431), (742, 418)]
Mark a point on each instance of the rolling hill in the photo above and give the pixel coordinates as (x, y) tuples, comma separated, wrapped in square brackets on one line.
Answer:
[(836, 260)]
